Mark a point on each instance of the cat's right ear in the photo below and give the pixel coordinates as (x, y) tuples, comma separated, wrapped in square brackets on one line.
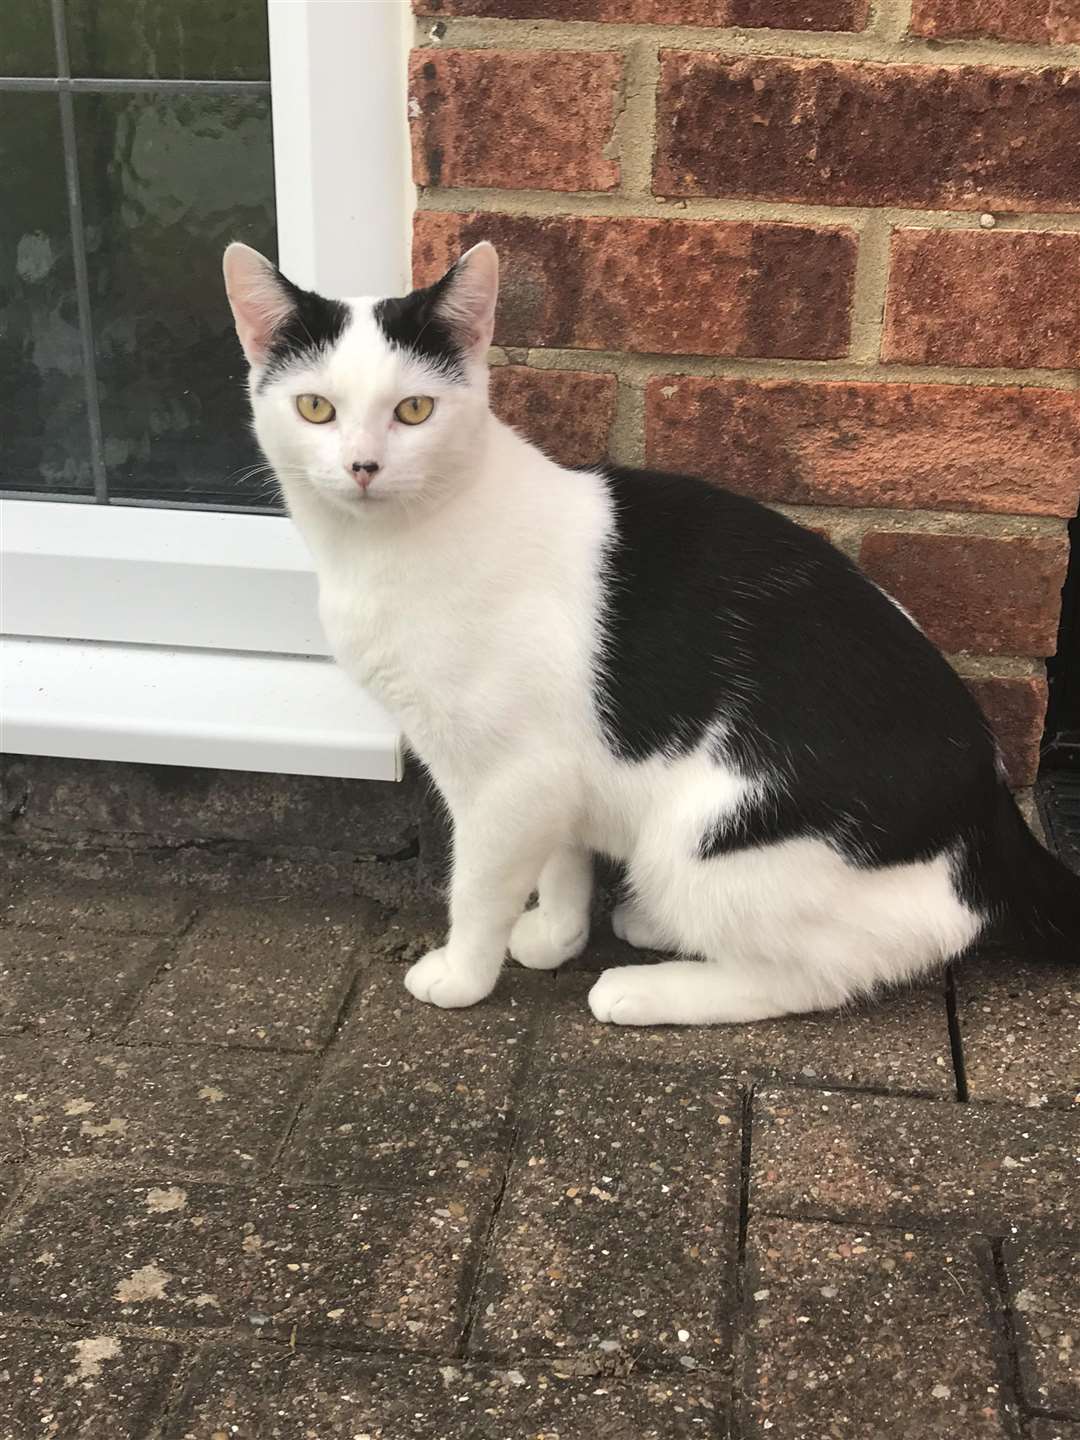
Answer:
[(466, 297), (259, 297)]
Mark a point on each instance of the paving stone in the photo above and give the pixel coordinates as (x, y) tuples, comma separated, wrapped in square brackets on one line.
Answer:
[(95, 1386), (71, 984), (66, 906), (845, 1322), (260, 1396), (1053, 1430), (900, 1043), (410, 933), (1020, 1026), (618, 1224), (9, 1183), (268, 975), (413, 1094), (880, 1158), (280, 1262), (200, 1109), (1045, 1289)]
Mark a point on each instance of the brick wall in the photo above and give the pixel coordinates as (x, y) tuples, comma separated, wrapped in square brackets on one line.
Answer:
[(825, 251)]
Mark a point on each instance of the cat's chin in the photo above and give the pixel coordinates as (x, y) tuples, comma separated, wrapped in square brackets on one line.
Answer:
[(354, 502)]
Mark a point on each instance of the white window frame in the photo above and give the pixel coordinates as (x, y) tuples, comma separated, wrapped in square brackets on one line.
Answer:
[(187, 637)]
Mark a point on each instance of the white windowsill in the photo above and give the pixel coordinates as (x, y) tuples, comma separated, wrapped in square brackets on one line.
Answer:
[(175, 638), (281, 713)]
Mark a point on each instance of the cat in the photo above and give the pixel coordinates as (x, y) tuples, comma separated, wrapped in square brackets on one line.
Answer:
[(807, 801)]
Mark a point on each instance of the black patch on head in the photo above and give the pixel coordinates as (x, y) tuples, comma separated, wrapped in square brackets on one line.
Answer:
[(720, 610), (412, 323), (314, 325)]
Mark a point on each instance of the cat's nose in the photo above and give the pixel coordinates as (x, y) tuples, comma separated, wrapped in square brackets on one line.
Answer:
[(364, 471)]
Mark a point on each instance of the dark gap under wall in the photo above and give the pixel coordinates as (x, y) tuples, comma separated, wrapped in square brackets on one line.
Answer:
[(1059, 774)]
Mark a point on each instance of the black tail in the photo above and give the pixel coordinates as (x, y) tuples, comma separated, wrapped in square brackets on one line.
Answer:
[(1037, 896)]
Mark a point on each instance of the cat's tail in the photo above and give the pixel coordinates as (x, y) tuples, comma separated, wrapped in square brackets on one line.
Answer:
[(1040, 897)]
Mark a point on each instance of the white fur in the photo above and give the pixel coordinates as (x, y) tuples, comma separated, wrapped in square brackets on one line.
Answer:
[(464, 589)]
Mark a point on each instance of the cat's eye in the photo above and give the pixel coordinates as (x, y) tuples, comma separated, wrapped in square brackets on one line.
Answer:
[(415, 410), (315, 408)]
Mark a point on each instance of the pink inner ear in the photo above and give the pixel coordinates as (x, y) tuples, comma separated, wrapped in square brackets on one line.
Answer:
[(469, 305), (260, 305)]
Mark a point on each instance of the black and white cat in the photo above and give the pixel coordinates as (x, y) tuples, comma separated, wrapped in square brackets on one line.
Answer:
[(807, 800)]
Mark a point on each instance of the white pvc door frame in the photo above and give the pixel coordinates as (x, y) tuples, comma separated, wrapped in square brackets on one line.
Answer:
[(191, 637)]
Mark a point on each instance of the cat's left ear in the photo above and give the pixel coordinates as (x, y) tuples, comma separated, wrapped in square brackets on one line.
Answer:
[(260, 298), (466, 298)]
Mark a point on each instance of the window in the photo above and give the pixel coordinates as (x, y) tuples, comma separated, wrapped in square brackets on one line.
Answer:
[(136, 139)]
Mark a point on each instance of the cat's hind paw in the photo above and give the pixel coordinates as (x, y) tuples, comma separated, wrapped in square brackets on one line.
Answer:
[(435, 981), (540, 942), (627, 995), (632, 926)]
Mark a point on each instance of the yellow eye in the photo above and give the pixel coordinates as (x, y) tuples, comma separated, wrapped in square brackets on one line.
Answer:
[(315, 408), (415, 410)]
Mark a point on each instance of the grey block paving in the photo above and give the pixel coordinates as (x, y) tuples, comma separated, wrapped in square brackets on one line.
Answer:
[(261, 976), (251, 1190), (86, 1383), (885, 1333), (337, 1397), (277, 1262), (68, 983)]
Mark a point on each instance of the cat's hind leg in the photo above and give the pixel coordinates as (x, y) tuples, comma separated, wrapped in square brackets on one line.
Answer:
[(785, 929), (632, 924), (557, 930), (705, 992)]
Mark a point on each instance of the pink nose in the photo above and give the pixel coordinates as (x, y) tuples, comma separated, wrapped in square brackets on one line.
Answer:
[(363, 471)]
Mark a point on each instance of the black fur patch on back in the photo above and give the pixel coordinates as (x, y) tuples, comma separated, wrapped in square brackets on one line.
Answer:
[(412, 323), (314, 325), (722, 613)]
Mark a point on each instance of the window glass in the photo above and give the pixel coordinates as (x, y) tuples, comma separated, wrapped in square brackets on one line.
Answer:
[(143, 157)]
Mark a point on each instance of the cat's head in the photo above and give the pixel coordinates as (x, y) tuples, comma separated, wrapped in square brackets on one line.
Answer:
[(375, 405)]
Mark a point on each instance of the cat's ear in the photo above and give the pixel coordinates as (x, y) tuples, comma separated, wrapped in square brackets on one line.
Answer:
[(466, 298), (259, 296)]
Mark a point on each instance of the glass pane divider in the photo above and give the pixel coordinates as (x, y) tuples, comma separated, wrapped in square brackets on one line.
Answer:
[(78, 256), (95, 85)]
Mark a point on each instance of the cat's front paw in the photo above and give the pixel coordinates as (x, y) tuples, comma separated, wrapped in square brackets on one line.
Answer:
[(435, 981), (541, 942), (626, 995)]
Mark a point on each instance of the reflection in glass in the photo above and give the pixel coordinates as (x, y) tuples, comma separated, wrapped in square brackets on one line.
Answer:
[(168, 39), (44, 442), (167, 181), (26, 38)]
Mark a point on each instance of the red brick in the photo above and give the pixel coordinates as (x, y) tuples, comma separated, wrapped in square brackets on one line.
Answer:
[(1016, 710), (977, 593), (964, 297), (763, 14), (568, 413), (929, 447), (513, 120), (1038, 22), (671, 287), (962, 137)]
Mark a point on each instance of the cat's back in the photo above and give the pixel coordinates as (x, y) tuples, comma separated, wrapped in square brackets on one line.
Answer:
[(723, 617)]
